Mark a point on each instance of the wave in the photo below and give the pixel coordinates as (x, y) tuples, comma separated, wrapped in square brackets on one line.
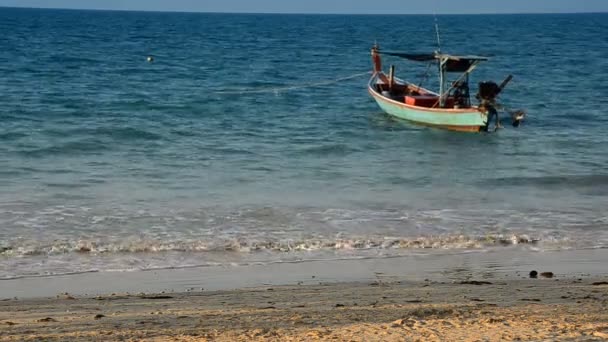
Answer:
[(126, 133), (11, 136), (269, 245), (73, 257), (551, 181), (90, 141), (329, 150), (23, 276), (69, 148), (58, 171), (113, 133)]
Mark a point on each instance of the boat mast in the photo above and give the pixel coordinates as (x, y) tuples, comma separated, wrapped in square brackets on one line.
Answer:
[(437, 32), (441, 65)]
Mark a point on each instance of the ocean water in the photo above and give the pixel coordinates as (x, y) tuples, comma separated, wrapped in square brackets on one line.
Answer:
[(236, 146)]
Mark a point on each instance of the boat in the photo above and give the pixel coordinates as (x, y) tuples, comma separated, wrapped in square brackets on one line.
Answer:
[(451, 107)]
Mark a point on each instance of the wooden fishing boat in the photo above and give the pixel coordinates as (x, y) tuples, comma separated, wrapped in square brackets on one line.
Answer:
[(451, 107)]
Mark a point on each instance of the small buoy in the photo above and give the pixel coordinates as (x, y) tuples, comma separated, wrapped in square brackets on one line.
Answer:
[(533, 274), (150, 59)]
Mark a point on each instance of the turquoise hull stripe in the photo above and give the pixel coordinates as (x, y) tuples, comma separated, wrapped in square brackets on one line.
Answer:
[(473, 118)]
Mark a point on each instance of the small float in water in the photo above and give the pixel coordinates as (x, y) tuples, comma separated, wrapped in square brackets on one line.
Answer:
[(451, 107)]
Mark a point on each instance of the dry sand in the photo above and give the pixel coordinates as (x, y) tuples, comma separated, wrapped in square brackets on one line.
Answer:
[(516, 309)]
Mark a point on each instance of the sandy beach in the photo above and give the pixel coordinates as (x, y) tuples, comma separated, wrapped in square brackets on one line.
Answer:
[(472, 305), (528, 310)]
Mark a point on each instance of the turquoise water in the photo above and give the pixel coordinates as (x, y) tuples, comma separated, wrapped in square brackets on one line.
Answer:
[(112, 163)]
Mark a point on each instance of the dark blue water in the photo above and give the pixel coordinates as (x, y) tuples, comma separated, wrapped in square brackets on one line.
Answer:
[(206, 156)]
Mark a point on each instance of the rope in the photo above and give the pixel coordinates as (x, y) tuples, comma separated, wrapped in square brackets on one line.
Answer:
[(291, 87), (426, 75)]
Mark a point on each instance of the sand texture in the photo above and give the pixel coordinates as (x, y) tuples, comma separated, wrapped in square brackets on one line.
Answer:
[(527, 310)]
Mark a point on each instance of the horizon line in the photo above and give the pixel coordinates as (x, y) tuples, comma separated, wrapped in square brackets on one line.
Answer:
[(288, 13)]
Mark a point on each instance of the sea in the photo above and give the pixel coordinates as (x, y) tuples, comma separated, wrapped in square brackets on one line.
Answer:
[(251, 139)]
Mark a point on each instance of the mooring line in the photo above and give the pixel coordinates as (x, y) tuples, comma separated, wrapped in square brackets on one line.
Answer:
[(290, 87)]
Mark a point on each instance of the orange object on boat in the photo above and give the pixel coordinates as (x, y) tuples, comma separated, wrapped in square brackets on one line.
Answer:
[(422, 100), (428, 101)]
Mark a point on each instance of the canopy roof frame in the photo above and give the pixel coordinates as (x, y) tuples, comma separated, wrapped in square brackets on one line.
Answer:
[(452, 63), (446, 63)]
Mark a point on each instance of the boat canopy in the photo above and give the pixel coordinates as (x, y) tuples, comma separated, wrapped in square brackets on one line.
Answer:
[(451, 63)]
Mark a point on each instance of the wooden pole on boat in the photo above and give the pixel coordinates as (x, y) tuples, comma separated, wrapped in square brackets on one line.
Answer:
[(391, 78), (504, 83), (376, 60), (377, 64), (442, 62)]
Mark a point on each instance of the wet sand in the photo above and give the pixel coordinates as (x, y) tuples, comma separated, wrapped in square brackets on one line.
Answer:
[(383, 300)]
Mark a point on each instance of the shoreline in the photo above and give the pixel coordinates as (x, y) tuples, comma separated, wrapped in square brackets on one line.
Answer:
[(465, 297), (511, 263)]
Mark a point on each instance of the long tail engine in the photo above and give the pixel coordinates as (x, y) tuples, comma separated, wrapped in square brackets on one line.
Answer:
[(487, 95)]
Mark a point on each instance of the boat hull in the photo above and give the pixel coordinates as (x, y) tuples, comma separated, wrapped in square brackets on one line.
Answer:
[(462, 120)]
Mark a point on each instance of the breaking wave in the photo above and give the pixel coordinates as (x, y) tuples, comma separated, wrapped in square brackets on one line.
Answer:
[(275, 246)]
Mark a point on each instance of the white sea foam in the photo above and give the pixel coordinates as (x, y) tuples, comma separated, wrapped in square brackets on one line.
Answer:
[(70, 238)]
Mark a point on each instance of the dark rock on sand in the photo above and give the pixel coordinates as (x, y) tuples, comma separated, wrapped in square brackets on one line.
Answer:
[(414, 301), (66, 296), (48, 319), (155, 297), (475, 282), (547, 274)]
